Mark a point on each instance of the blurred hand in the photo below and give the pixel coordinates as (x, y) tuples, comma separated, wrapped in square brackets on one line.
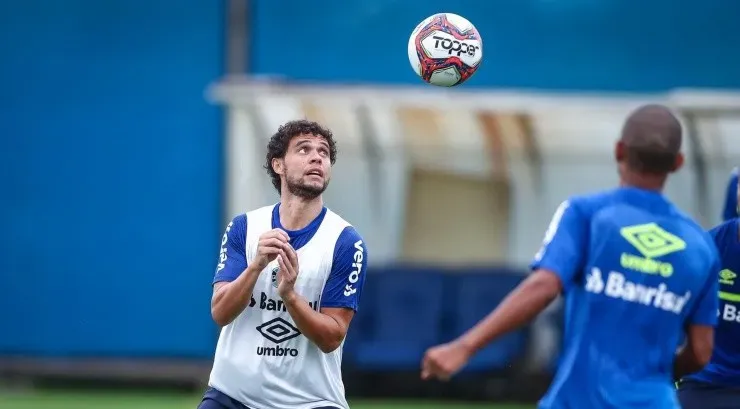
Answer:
[(288, 273), (444, 361), (270, 245)]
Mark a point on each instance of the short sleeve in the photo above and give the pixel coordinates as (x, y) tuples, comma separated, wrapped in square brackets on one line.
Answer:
[(565, 244), (232, 258), (344, 286), (707, 303), (730, 210)]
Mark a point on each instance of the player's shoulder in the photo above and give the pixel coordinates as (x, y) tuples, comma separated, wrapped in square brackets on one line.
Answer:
[(333, 219), (588, 203), (348, 234), (264, 211), (238, 222), (724, 232)]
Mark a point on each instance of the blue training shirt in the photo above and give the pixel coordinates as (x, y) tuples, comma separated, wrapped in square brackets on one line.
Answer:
[(343, 288), (724, 368), (635, 270)]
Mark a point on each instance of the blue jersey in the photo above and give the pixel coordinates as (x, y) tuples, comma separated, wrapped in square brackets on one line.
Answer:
[(730, 210), (724, 368), (635, 271)]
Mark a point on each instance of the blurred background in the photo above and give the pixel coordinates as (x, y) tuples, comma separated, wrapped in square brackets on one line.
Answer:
[(132, 131)]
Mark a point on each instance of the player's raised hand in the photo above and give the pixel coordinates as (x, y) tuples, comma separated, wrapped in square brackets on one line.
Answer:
[(444, 361), (288, 272), (270, 245)]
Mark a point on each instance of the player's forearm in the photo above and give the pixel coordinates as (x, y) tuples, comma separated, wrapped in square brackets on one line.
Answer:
[(697, 352), (321, 329), (686, 363), (521, 306), (230, 300)]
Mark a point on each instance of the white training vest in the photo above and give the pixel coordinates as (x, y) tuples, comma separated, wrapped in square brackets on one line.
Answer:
[(261, 358)]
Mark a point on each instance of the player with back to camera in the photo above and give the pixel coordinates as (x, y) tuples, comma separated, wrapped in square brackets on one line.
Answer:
[(717, 386), (636, 273), (286, 287)]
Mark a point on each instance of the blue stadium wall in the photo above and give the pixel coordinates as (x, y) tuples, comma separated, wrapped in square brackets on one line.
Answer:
[(111, 176), (111, 161), (620, 45)]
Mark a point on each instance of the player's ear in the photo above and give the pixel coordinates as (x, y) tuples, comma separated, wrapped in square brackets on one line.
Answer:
[(620, 152), (678, 162), (278, 165)]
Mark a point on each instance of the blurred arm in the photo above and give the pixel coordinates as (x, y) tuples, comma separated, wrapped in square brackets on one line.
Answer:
[(522, 305), (700, 327), (696, 353), (555, 266)]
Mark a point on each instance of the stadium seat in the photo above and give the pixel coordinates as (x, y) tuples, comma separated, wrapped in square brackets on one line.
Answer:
[(478, 293), (408, 310)]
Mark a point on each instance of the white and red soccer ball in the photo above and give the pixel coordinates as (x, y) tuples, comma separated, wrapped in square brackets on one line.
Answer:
[(445, 49)]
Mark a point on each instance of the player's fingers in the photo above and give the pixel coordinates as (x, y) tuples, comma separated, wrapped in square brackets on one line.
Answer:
[(271, 242), (286, 250), (426, 373), (285, 268), (276, 234), (281, 233), (281, 271), (292, 259)]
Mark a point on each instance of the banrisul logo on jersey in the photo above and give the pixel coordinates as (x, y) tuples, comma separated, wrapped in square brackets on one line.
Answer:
[(651, 242), (268, 303), (615, 285), (277, 331)]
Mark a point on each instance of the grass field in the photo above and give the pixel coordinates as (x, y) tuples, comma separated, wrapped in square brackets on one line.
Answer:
[(112, 400)]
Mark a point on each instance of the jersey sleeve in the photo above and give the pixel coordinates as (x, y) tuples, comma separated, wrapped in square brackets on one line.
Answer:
[(565, 244), (344, 286), (707, 303), (730, 210), (232, 258)]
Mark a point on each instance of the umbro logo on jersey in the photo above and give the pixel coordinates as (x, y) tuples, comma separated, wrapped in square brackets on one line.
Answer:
[(277, 331), (652, 242), (617, 286), (727, 277)]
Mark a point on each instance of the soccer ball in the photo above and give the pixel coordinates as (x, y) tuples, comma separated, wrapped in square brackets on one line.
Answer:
[(445, 49)]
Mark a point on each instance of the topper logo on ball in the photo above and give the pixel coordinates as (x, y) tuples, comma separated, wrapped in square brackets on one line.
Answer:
[(454, 46)]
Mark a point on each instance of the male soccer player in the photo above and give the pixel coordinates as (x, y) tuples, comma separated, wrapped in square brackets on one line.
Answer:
[(287, 285), (636, 273), (717, 386)]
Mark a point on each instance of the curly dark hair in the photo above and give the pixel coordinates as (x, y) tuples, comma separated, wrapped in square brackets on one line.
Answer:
[(278, 145)]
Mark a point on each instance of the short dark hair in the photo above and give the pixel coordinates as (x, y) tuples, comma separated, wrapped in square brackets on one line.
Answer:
[(652, 136), (278, 145)]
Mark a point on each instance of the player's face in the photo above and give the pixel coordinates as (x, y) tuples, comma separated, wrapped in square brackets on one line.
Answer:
[(307, 166)]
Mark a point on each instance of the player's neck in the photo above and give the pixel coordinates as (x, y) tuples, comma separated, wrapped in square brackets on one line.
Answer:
[(642, 181), (297, 213)]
